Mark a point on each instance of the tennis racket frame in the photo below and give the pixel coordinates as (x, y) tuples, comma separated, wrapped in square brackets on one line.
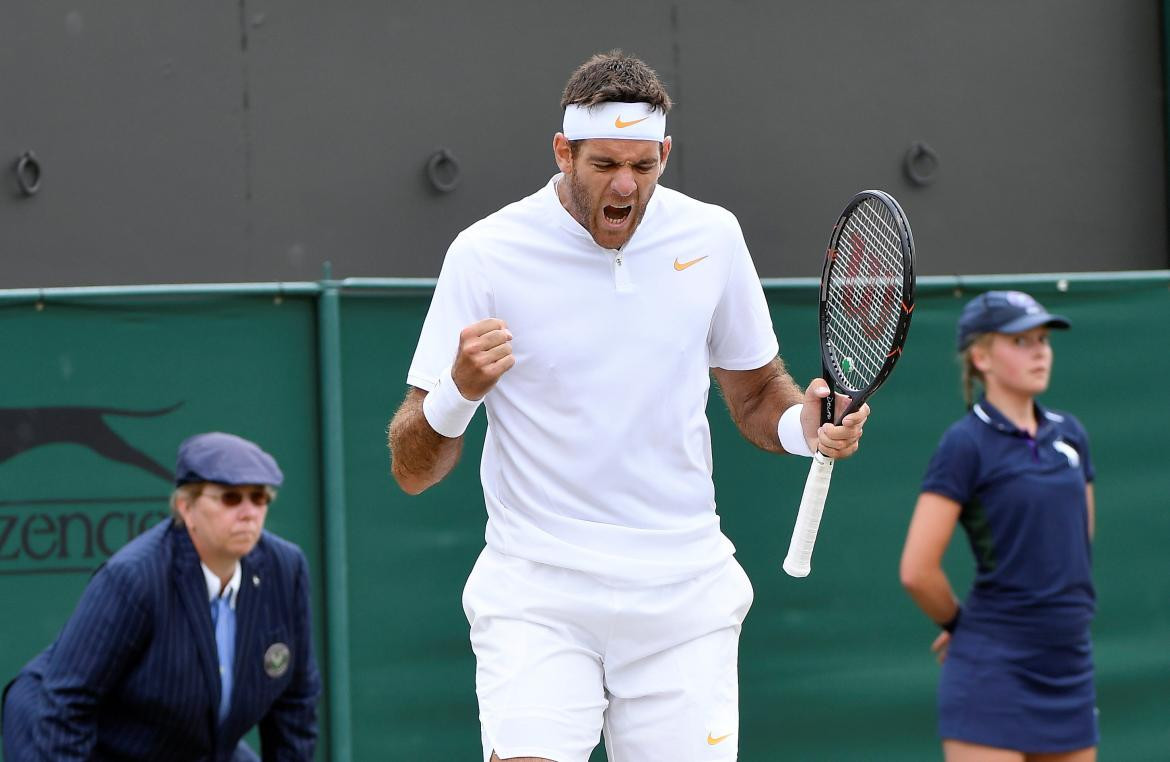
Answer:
[(798, 562)]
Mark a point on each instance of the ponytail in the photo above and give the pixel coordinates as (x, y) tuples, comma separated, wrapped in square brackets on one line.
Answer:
[(971, 374)]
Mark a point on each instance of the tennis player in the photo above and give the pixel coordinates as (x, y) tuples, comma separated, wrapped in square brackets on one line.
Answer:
[(588, 319), (1017, 674)]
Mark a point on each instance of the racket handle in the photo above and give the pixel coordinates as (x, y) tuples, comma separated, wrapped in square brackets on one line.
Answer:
[(808, 518)]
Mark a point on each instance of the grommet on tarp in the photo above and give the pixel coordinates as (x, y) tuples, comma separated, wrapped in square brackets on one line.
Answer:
[(443, 171), (920, 164), (28, 173)]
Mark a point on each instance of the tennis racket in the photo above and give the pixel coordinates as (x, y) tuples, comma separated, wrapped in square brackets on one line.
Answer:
[(867, 296)]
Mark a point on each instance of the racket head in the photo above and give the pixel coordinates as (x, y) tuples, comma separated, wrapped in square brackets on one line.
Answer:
[(867, 297)]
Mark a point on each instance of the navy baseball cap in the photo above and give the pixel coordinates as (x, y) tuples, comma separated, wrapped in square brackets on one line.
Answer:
[(225, 459), (1003, 312)]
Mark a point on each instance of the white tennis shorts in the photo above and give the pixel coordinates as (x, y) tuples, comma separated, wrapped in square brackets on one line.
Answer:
[(562, 657)]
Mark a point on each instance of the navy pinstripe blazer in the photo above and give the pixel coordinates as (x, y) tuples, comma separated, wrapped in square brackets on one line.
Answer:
[(134, 673)]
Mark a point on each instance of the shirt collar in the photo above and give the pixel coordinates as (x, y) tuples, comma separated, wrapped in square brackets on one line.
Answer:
[(564, 219), (231, 590), (990, 415)]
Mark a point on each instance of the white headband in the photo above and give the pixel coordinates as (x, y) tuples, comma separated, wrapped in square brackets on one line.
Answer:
[(623, 121)]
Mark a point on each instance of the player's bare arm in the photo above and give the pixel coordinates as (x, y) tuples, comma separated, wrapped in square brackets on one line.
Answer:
[(420, 457), (757, 398)]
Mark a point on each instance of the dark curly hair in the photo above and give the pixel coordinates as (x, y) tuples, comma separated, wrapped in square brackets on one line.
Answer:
[(614, 76)]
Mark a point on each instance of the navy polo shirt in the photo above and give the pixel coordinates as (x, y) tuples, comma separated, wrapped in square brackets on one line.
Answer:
[(1026, 516)]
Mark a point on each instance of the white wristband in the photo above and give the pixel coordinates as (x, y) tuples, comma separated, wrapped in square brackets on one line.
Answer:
[(446, 409), (792, 433)]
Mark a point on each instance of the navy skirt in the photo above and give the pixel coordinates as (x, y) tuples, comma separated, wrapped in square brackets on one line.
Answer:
[(1026, 696)]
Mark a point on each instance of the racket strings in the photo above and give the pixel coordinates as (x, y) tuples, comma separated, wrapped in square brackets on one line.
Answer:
[(865, 293)]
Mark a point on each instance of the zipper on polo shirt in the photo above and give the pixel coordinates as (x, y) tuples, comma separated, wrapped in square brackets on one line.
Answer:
[(621, 273)]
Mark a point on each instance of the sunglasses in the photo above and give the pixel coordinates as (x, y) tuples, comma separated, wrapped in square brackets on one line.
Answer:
[(233, 497)]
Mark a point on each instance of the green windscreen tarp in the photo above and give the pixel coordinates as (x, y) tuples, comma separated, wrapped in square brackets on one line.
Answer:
[(98, 392)]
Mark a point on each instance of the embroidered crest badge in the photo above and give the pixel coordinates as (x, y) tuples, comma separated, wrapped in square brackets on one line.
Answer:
[(276, 660)]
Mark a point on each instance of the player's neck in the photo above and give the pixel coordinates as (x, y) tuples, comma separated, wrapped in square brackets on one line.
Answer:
[(1020, 409)]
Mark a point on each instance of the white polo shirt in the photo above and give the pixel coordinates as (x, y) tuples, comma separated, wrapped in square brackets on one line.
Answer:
[(598, 451)]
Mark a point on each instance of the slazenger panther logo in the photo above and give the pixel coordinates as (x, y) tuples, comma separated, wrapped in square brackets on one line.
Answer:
[(74, 530), (25, 428)]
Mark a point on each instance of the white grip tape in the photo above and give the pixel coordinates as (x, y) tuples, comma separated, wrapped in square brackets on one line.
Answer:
[(446, 409), (792, 433), (808, 518)]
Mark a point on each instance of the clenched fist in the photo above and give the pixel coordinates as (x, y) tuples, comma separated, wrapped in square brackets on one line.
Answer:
[(485, 354)]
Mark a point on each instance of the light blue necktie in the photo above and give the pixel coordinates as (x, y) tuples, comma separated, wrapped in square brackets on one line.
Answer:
[(224, 619)]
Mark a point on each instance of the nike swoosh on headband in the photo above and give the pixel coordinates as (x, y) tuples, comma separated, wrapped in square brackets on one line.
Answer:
[(622, 125)]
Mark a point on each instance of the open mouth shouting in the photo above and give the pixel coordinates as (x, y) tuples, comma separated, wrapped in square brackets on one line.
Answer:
[(613, 224), (617, 214)]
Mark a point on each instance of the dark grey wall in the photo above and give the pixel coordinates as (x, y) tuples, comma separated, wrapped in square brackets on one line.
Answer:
[(252, 141)]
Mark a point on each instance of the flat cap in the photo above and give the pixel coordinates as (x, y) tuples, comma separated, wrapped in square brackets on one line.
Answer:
[(225, 459)]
